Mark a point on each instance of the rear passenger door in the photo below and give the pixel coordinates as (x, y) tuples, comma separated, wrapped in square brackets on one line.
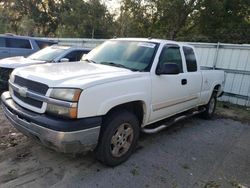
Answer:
[(193, 76), (19, 47), (4, 52)]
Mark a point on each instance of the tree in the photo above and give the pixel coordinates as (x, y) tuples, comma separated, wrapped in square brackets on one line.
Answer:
[(225, 21), (89, 19), (189, 20), (171, 16), (43, 13), (3, 24), (156, 18), (135, 19)]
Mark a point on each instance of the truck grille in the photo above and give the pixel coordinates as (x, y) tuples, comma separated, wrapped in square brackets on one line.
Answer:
[(4, 77), (29, 101), (33, 86)]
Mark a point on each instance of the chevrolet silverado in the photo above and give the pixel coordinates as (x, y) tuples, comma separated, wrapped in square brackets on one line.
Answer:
[(123, 87)]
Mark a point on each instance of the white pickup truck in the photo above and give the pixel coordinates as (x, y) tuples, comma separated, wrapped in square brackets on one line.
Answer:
[(124, 86)]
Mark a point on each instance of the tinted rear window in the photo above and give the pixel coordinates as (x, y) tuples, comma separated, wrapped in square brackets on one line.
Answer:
[(2, 42), (43, 44), (18, 43), (190, 59)]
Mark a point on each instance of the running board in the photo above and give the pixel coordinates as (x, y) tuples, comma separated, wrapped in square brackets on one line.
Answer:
[(171, 121)]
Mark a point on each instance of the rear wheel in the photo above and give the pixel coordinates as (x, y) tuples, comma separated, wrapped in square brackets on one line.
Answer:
[(118, 138), (210, 107)]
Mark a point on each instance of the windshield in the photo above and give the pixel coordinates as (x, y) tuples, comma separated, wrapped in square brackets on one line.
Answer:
[(47, 54), (133, 55)]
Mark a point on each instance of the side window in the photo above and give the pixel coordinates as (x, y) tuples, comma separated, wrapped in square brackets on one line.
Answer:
[(18, 43), (74, 55), (190, 59), (43, 44), (2, 42), (171, 54)]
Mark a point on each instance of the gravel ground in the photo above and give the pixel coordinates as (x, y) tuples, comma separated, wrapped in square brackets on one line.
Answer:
[(192, 153)]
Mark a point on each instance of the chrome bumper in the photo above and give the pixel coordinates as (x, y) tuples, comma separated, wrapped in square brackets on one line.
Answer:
[(67, 142)]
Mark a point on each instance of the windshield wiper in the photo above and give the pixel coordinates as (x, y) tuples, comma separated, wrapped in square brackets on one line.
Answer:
[(89, 60), (117, 65)]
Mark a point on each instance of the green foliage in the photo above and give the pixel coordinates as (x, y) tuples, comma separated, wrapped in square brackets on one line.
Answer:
[(225, 20), (3, 24), (186, 20), (62, 18), (84, 19)]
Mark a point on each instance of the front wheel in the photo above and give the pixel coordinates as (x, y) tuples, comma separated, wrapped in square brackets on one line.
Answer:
[(210, 107), (118, 138)]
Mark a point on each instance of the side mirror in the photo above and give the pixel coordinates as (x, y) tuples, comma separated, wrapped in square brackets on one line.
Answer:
[(63, 60), (168, 68)]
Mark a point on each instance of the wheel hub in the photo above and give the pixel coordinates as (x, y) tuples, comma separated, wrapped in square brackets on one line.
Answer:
[(122, 140)]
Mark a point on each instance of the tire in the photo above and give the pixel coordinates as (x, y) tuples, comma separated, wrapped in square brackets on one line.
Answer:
[(118, 138), (210, 107)]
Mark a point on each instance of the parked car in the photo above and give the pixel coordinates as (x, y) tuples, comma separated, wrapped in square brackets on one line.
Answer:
[(124, 86), (14, 45), (51, 54)]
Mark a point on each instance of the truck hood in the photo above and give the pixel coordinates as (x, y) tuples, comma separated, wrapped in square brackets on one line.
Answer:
[(74, 74), (19, 61)]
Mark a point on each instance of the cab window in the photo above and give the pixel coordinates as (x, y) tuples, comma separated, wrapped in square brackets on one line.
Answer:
[(190, 59), (75, 55), (18, 43), (171, 54), (43, 44), (2, 42)]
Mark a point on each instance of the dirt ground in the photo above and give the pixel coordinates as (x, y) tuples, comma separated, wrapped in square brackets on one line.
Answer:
[(192, 153)]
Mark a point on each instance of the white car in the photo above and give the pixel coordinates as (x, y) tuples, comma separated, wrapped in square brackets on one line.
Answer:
[(51, 54), (125, 86)]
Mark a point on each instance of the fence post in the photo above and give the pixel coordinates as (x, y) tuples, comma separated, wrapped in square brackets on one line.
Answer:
[(216, 55)]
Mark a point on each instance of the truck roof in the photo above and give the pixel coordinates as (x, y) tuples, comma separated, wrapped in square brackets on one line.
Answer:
[(152, 40)]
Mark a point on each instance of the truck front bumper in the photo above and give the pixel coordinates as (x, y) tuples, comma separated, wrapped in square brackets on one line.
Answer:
[(68, 136)]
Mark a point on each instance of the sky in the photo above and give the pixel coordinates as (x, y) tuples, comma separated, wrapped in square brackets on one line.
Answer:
[(113, 5)]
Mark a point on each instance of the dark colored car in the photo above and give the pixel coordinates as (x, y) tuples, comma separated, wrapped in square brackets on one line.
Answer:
[(14, 45)]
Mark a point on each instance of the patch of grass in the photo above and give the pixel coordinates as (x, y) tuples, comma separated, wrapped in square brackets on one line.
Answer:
[(232, 111), (211, 184), (185, 166), (174, 185), (236, 184), (135, 172)]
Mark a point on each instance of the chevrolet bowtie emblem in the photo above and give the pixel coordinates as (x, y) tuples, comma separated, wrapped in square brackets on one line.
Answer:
[(23, 91)]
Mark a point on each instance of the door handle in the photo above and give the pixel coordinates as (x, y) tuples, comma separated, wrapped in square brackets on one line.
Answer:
[(183, 81)]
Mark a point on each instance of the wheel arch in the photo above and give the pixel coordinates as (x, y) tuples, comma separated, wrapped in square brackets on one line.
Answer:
[(137, 107), (217, 89)]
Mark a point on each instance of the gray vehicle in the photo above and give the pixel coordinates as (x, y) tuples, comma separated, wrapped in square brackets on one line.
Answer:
[(13, 45), (51, 54)]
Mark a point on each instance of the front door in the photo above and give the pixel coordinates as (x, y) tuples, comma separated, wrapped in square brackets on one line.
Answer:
[(170, 94)]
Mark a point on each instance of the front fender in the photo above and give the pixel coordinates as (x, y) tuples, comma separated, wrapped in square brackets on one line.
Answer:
[(107, 105), (98, 100)]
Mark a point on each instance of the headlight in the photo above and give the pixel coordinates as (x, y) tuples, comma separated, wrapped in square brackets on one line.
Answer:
[(69, 112), (71, 95)]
